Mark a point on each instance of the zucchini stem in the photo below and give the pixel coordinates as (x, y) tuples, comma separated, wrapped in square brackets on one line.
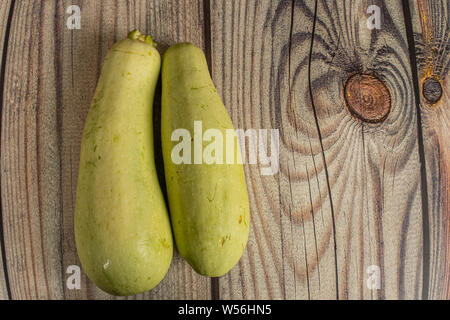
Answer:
[(137, 35)]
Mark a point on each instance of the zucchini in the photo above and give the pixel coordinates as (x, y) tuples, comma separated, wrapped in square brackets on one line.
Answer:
[(122, 227)]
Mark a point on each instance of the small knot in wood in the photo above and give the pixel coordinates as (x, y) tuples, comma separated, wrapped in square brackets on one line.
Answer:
[(431, 90), (367, 98)]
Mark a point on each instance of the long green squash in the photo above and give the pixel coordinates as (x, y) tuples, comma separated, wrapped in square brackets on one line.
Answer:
[(122, 227), (208, 202)]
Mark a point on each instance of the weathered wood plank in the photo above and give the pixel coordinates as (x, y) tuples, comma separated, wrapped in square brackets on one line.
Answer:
[(29, 210), (51, 74), (373, 168), (290, 253), (304, 243), (236, 53), (430, 22), (5, 7)]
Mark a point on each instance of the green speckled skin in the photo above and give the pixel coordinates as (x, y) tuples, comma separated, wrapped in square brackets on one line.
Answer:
[(209, 205), (122, 227)]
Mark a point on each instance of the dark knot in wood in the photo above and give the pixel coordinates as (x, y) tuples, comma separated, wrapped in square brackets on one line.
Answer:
[(431, 90), (367, 98)]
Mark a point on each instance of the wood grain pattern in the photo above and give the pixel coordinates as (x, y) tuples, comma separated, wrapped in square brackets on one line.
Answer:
[(288, 255), (373, 169), (4, 13), (348, 194), (430, 20), (240, 67), (51, 73)]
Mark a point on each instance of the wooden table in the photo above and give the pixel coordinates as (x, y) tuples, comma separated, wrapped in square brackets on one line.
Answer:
[(354, 199)]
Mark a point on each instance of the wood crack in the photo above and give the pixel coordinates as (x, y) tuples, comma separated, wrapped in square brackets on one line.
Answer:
[(423, 174), (215, 286), (322, 149)]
